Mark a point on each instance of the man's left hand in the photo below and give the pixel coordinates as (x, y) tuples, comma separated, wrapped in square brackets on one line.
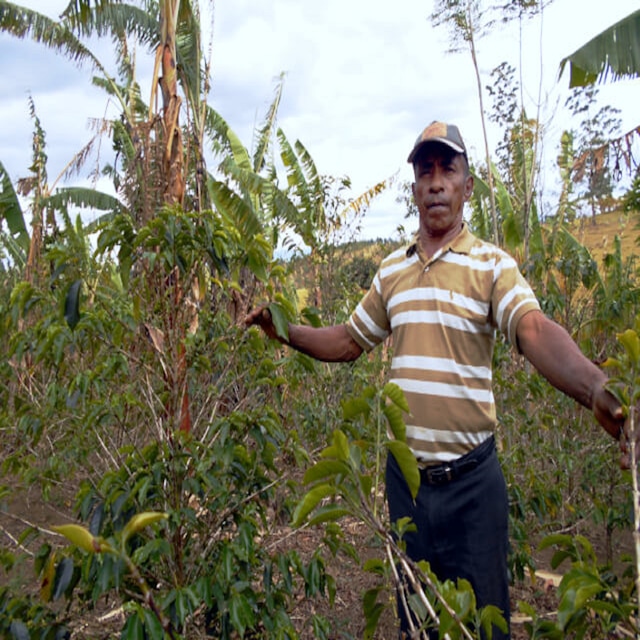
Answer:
[(609, 414)]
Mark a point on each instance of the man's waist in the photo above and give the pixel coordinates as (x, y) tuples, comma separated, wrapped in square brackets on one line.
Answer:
[(444, 472), (435, 446)]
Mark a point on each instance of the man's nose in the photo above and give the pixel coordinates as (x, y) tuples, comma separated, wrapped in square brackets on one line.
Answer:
[(436, 183)]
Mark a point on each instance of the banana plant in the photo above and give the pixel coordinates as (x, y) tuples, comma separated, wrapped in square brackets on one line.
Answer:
[(612, 55), (44, 200), (16, 240), (520, 229)]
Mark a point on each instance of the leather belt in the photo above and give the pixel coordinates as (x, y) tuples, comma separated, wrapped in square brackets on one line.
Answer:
[(448, 471)]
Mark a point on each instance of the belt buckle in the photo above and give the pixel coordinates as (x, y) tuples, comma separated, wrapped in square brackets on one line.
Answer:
[(441, 475)]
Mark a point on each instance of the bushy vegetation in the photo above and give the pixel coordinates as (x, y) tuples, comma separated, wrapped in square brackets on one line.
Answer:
[(179, 446)]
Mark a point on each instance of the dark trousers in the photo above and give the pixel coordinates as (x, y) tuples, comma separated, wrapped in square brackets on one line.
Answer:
[(462, 526)]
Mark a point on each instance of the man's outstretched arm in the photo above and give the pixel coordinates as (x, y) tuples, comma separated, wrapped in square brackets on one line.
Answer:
[(552, 351), (329, 344)]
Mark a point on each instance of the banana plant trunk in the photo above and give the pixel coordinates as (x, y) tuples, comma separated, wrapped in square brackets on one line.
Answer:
[(172, 160), (173, 170)]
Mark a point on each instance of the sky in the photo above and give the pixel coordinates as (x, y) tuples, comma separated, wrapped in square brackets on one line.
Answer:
[(362, 79)]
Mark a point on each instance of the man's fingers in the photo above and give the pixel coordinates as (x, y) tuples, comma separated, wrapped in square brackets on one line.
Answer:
[(257, 316), (250, 318)]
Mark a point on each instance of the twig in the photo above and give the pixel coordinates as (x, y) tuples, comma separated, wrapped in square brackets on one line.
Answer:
[(15, 542), (403, 596), (29, 524)]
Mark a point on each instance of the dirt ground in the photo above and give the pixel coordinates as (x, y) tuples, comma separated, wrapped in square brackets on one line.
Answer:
[(105, 622)]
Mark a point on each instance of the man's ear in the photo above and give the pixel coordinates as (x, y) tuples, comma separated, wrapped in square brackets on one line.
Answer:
[(468, 187), (413, 190)]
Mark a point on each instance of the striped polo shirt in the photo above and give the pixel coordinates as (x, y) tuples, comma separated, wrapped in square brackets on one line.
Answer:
[(443, 313)]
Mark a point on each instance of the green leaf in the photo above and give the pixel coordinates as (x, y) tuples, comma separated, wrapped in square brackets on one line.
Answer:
[(80, 537), (325, 470), (630, 340), (280, 321), (140, 521), (372, 611), (604, 607), (240, 154), (613, 363), (407, 463), (559, 557), (152, 625), (310, 501), (393, 413), (62, 579), (615, 52), (396, 395), (328, 513), (576, 588), (72, 304), (355, 407), (154, 549), (87, 198), (526, 609), (370, 598), (241, 613), (257, 264), (374, 565), (556, 538), (47, 578), (133, 629), (490, 616), (340, 447), (11, 212), (366, 483)]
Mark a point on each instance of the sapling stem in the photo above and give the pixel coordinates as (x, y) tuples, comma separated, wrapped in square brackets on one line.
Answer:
[(636, 506)]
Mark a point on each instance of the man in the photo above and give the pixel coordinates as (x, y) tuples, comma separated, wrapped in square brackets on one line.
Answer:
[(442, 298)]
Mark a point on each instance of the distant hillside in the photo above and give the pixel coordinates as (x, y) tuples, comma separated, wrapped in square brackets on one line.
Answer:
[(361, 258), (599, 237)]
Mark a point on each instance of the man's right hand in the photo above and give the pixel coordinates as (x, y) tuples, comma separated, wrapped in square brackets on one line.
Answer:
[(329, 344), (261, 316)]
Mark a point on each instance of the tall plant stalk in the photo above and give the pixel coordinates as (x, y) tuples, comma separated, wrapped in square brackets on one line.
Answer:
[(625, 386), (633, 454), (470, 38)]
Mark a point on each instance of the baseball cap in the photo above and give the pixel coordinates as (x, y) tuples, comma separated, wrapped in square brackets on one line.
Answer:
[(442, 132)]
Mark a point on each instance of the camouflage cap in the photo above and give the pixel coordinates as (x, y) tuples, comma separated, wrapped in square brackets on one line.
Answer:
[(441, 132)]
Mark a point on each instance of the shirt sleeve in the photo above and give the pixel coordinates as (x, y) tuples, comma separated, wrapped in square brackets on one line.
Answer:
[(369, 323), (512, 297)]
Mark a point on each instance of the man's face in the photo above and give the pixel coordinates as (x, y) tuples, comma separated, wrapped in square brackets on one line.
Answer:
[(442, 186)]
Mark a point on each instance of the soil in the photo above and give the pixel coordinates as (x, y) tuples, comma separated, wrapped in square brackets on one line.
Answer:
[(105, 621)]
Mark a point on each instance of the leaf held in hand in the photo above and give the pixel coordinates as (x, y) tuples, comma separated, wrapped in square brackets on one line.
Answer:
[(279, 320)]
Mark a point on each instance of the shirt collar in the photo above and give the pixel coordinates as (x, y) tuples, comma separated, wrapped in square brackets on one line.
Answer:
[(462, 243)]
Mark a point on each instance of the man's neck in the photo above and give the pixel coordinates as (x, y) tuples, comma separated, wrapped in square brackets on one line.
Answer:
[(431, 244)]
